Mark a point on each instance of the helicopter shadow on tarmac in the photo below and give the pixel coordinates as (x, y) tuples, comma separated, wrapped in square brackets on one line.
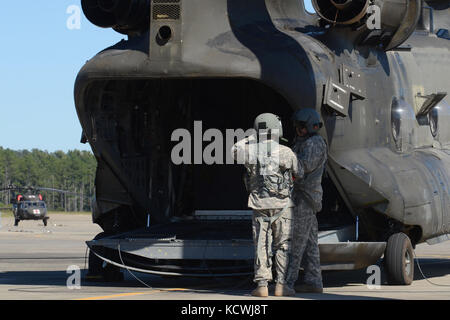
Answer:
[(233, 287), (431, 268), (131, 280)]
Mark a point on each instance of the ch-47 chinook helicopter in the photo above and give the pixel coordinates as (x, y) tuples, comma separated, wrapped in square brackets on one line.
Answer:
[(28, 203), (382, 92)]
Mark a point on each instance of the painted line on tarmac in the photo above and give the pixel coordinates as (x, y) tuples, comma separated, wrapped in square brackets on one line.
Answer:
[(120, 295), (434, 256), (116, 296)]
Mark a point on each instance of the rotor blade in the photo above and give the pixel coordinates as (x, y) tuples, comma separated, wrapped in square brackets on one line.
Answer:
[(63, 191), (10, 187)]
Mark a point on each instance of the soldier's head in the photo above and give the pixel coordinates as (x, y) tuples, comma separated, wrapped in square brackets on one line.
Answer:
[(270, 125), (306, 122)]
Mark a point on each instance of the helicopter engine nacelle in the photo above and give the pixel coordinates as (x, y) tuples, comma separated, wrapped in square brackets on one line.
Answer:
[(124, 16), (341, 11), (393, 23)]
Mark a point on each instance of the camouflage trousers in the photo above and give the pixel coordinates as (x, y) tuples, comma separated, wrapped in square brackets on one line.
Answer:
[(271, 238), (305, 247)]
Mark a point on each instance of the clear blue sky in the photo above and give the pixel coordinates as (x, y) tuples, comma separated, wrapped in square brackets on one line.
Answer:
[(309, 6), (40, 58)]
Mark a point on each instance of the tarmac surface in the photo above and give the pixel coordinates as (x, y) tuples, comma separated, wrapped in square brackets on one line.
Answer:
[(38, 263)]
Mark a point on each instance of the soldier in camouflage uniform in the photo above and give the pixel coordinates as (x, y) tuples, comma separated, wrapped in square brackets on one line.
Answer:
[(270, 167), (311, 151)]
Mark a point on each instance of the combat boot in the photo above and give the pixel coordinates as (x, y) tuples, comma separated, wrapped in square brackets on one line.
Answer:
[(307, 288), (283, 290), (261, 291)]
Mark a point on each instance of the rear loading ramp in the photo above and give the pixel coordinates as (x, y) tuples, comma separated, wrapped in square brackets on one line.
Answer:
[(217, 247)]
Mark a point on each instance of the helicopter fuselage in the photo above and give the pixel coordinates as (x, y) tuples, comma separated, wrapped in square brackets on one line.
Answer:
[(30, 210), (389, 156)]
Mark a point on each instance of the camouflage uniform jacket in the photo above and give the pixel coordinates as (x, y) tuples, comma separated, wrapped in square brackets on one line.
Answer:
[(312, 155), (269, 174)]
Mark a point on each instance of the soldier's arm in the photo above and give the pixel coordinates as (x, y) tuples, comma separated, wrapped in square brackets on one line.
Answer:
[(311, 156), (241, 150), (298, 171)]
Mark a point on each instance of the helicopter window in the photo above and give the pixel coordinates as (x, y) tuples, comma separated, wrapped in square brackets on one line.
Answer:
[(41, 204), (403, 122), (439, 116), (309, 6), (23, 205), (433, 117)]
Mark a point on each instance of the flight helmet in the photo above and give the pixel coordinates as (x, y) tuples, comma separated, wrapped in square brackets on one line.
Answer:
[(307, 118), (269, 122)]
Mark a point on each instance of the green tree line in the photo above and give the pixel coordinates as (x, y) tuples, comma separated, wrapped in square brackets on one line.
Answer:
[(72, 171)]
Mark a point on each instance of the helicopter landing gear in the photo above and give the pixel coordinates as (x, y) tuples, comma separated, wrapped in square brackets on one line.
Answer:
[(399, 260)]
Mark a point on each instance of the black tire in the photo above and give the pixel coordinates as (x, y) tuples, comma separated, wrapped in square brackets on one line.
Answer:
[(399, 260), (45, 221), (16, 222)]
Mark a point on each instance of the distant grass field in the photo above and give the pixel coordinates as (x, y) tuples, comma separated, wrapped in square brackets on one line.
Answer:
[(70, 212), (8, 213)]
